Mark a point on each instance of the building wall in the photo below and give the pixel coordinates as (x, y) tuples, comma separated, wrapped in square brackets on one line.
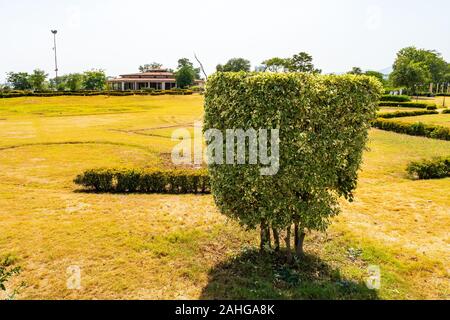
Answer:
[(128, 85)]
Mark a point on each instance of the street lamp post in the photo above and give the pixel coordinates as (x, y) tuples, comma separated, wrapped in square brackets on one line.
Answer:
[(56, 58)]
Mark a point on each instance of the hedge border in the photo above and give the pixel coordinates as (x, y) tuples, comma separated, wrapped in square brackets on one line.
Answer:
[(399, 114), (395, 98), (419, 105), (6, 95), (145, 181), (413, 129), (435, 168)]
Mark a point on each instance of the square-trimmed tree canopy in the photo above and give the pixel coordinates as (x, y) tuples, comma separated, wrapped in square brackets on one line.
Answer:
[(323, 123)]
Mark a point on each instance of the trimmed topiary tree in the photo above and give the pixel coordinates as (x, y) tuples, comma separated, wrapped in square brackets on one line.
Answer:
[(323, 124)]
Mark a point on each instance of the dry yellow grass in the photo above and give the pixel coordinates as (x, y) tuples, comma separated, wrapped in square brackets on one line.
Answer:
[(173, 247), (439, 101), (434, 119)]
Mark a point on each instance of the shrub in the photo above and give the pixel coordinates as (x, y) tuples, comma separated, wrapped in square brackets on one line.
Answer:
[(179, 92), (399, 114), (422, 94), (430, 169), (15, 94), (7, 272), (420, 105), (414, 129), (396, 98), (446, 111), (198, 89), (323, 123), (145, 181)]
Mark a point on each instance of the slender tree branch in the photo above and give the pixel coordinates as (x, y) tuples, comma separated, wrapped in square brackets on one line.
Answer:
[(201, 66)]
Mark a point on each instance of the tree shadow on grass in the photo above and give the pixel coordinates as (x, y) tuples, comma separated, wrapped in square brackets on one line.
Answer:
[(253, 275)]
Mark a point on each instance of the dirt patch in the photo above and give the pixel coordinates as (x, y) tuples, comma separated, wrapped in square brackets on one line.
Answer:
[(167, 163)]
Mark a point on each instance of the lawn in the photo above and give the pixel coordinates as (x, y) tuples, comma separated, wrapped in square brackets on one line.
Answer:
[(439, 101), (393, 109), (179, 246), (434, 119)]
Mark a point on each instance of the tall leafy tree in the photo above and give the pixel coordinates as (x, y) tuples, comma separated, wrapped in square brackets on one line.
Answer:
[(18, 80), (414, 66), (94, 80), (377, 75), (310, 171), (59, 83), (302, 62), (356, 70), (185, 62), (186, 73), (409, 73), (38, 79), (276, 64), (235, 65), (74, 81), (150, 66)]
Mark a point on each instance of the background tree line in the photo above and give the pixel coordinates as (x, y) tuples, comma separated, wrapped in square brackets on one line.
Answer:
[(301, 62), (411, 68), (38, 81), (419, 66)]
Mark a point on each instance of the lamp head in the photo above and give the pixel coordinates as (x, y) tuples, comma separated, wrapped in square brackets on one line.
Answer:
[(54, 31)]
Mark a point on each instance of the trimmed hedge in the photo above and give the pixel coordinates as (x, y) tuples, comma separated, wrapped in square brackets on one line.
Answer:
[(414, 129), (430, 169), (420, 105), (18, 94), (422, 94), (396, 98), (145, 181), (323, 124), (399, 114), (446, 111)]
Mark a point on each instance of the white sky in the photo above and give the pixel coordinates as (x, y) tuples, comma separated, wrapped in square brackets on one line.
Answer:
[(118, 36)]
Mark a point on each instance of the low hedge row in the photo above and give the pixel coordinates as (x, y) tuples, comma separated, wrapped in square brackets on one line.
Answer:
[(446, 111), (399, 114), (414, 129), (94, 93), (429, 94), (419, 105), (145, 181), (396, 98), (430, 169)]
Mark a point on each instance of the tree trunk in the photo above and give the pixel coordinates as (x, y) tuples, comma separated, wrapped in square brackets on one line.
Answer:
[(265, 236), (276, 239), (287, 240), (299, 240)]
